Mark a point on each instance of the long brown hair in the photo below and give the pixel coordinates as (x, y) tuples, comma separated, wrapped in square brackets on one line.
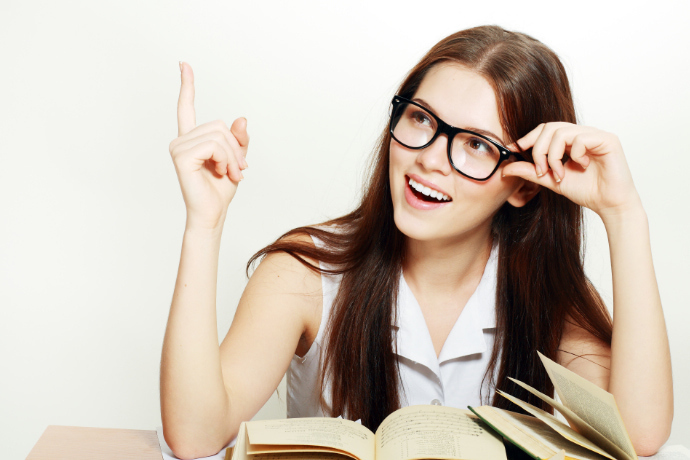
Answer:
[(541, 281)]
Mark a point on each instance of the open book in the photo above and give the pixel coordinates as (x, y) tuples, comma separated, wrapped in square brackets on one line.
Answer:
[(598, 433), (414, 432)]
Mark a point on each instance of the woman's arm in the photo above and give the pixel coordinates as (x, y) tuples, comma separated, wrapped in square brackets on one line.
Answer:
[(207, 390), (636, 369), (640, 356), (639, 374), (191, 382)]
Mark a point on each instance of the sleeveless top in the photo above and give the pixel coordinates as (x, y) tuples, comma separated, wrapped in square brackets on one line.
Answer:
[(455, 378)]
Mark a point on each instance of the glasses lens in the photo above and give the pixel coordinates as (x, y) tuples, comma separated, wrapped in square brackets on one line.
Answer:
[(474, 155), (412, 126)]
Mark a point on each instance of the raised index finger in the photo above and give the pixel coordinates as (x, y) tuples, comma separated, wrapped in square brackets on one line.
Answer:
[(186, 117)]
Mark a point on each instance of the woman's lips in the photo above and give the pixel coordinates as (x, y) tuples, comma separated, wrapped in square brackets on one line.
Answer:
[(420, 204), (426, 183)]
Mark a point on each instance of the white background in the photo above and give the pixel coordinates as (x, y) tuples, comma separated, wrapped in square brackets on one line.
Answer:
[(91, 214)]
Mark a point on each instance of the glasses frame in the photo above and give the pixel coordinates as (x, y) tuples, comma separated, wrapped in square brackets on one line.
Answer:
[(451, 132)]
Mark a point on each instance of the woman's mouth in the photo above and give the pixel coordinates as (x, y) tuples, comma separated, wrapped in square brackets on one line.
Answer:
[(422, 197), (426, 193)]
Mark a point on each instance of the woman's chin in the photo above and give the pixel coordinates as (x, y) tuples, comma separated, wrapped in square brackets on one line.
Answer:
[(416, 229)]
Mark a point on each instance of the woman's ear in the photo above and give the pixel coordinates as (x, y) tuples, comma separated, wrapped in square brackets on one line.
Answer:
[(525, 192)]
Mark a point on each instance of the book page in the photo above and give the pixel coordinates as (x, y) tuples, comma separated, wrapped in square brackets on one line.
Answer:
[(588, 437), (575, 421), (269, 449), (536, 428), (300, 456), (239, 452), (593, 404), (332, 433), (437, 432)]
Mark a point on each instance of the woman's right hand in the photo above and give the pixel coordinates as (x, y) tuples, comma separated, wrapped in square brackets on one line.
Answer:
[(208, 159)]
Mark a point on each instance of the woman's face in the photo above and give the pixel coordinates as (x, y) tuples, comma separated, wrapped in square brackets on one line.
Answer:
[(464, 99)]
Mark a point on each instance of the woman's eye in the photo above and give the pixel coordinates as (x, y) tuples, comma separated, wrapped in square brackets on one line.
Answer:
[(479, 145), (421, 118)]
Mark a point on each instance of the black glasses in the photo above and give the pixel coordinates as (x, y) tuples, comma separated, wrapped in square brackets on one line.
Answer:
[(471, 154)]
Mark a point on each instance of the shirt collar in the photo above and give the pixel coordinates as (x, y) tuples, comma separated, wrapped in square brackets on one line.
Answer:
[(412, 339)]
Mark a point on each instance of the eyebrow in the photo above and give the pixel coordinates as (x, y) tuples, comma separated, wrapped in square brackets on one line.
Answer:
[(484, 132)]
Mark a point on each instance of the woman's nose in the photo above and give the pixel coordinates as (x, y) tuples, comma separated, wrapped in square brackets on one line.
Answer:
[(435, 156)]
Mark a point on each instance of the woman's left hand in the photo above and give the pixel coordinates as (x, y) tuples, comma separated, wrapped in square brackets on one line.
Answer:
[(596, 175)]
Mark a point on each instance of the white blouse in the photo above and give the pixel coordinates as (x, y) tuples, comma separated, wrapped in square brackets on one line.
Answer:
[(453, 379)]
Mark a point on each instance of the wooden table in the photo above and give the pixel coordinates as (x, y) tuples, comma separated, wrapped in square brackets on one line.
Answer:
[(80, 443)]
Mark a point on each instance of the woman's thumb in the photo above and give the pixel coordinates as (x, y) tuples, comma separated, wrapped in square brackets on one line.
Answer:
[(521, 169), (528, 172), (239, 130)]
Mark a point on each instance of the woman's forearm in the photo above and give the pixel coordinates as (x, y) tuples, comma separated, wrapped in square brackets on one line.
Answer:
[(640, 358), (194, 401)]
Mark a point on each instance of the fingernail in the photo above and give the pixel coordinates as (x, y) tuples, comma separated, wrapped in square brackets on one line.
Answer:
[(558, 179), (246, 165), (180, 66), (539, 171)]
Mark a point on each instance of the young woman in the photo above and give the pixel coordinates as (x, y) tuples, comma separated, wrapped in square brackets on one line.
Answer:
[(462, 260)]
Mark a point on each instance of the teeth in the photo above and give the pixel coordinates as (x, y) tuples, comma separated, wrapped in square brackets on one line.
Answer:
[(428, 191)]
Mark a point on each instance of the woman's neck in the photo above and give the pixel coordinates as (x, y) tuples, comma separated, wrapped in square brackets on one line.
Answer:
[(446, 268)]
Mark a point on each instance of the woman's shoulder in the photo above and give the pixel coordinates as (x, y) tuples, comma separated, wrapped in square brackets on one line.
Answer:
[(283, 268), (285, 283), (293, 267), (297, 256)]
